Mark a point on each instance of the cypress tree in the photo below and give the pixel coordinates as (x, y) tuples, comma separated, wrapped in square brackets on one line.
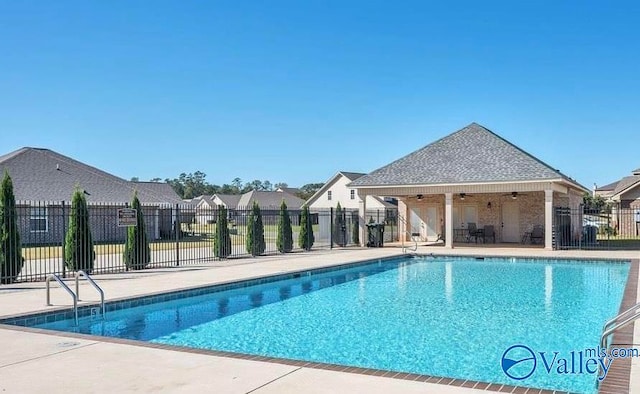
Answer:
[(355, 230), (136, 250), (11, 260), (339, 227), (222, 241), (78, 250), (305, 238), (255, 232), (284, 241)]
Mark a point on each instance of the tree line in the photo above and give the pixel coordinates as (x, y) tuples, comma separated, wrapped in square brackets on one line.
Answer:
[(195, 184)]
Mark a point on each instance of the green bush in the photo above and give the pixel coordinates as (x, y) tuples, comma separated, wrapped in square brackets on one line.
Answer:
[(11, 260), (255, 232), (284, 242), (339, 227), (305, 238), (78, 246), (222, 242), (355, 230), (137, 254)]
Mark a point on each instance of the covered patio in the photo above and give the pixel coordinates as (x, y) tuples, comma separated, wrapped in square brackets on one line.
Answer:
[(473, 186)]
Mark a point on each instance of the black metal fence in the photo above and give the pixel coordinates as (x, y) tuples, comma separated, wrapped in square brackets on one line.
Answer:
[(178, 235), (610, 228)]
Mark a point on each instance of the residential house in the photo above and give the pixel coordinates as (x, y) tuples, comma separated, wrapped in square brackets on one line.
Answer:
[(624, 197), (473, 176), (44, 182), (269, 203)]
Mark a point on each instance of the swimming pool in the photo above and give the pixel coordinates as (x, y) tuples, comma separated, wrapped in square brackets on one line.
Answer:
[(451, 317)]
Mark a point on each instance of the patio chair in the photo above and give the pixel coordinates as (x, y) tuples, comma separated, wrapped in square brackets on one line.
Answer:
[(489, 232), (537, 235), (472, 232)]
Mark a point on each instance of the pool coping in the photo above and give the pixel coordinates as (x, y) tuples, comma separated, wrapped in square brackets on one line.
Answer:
[(620, 372)]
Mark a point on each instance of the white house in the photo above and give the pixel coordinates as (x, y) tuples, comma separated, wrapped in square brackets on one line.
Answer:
[(335, 191)]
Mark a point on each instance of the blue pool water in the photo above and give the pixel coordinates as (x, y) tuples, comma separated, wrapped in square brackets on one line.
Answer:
[(436, 316)]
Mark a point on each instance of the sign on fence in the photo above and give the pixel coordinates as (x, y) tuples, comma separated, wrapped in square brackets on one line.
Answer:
[(127, 217)]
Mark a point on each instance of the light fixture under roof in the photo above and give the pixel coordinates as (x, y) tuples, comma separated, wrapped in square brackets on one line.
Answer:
[(419, 197), (462, 196), (514, 195)]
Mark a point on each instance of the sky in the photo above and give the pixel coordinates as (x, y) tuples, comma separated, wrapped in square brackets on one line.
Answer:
[(294, 91)]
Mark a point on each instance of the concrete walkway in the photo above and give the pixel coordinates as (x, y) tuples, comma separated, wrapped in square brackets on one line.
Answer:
[(38, 362)]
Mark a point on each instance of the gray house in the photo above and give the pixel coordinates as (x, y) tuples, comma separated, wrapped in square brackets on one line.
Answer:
[(44, 182), (269, 203)]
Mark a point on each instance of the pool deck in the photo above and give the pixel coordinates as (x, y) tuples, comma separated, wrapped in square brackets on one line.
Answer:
[(33, 361)]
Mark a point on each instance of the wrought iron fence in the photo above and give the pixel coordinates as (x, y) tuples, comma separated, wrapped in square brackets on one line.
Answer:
[(178, 235), (610, 228)]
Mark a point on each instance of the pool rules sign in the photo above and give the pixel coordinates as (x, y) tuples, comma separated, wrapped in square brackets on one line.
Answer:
[(127, 217)]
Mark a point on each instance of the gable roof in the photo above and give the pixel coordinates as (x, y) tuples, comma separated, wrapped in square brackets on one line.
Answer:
[(351, 176), (270, 200), (290, 190), (230, 200), (161, 190), (44, 175), (626, 184), (609, 187), (472, 154)]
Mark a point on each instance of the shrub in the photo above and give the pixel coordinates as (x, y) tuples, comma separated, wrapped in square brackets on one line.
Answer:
[(78, 245), (222, 241), (284, 241), (11, 260), (305, 238), (355, 230), (339, 227), (136, 250), (255, 232)]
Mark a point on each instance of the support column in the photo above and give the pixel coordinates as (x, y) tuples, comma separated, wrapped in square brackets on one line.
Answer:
[(448, 220), (548, 219), (403, 221), (362, 219)]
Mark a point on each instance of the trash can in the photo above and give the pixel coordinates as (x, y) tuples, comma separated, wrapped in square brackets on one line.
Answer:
[(375, 235)]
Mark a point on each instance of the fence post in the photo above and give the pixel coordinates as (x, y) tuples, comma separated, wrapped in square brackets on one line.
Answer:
[(177, 231), (64, 237), (331, 228)]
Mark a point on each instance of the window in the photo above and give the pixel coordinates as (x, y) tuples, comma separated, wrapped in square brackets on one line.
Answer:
[(329, 195), (39, 221), (353, 194)]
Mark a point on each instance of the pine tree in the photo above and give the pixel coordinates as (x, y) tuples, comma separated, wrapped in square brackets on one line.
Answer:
[(305, 238), (255, 232), (78, 250), (136, 250), (339, 227), (284, 241), (355, 230), (11, 260), (222, 242)]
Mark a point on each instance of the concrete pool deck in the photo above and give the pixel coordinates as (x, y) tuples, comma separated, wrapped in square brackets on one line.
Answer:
[(37, 362)]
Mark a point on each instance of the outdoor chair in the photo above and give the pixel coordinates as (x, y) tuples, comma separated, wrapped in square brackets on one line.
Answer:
[(472, 232), (537, 235), (489, 232)]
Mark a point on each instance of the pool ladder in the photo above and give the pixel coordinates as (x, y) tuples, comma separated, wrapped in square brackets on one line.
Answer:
[(75, 296)]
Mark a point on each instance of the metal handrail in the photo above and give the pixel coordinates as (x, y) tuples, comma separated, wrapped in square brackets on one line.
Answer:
[(621, 320), (81, 273), (405, 248), (64, 286)]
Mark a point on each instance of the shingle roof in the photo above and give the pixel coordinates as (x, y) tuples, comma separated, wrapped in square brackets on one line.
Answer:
[(609, 187), (352, 176), (636, 171), (271, 200), (472, 154), (230, 200), (626, 183), (44, 175), (290, 190)]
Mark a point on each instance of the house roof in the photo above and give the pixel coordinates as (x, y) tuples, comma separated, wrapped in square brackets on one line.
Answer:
[(384, 202), (269, 200), (609, 187), (290, 190), (44, 175), (472, 154), (626, 183), (230, 200), (352, 176), (636, 171)]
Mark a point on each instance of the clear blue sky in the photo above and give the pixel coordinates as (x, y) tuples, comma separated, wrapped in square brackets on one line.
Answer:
[(293, 91)]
